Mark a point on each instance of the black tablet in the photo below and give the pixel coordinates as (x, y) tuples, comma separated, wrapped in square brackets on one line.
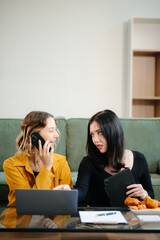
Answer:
[(115, 187)]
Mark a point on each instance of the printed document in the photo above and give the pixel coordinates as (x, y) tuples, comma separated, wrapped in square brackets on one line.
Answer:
[(102, 217)]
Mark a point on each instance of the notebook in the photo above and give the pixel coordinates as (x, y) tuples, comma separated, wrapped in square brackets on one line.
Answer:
[(46, 202), (115, 187)]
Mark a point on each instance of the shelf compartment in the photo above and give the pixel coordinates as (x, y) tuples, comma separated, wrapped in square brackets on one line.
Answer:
[(145, 108), (154, 98), (146, 84)]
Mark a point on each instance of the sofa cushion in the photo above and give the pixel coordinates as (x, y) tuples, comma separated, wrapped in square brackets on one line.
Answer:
[(74, 177), (155, 178), (76, 141), (61, 145), (2, 178), (9, 130), (143, 135)]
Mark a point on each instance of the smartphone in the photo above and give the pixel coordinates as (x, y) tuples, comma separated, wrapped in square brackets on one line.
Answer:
[(35, 137)]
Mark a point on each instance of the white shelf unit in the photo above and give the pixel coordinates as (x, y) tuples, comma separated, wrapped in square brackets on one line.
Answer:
[(144, 67)]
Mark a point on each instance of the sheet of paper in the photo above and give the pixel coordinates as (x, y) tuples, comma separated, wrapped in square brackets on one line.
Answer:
[(149, 218), (107, 217)]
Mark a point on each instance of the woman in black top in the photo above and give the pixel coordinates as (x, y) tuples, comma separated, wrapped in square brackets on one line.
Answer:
[(106, 155)]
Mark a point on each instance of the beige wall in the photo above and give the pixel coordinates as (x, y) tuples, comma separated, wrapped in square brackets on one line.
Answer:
[(67, 57)]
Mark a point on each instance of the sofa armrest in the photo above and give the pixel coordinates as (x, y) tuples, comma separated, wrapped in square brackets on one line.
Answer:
[(2, 178)]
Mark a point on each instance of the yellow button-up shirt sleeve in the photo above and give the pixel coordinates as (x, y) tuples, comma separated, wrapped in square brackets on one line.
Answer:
[(19, 174)]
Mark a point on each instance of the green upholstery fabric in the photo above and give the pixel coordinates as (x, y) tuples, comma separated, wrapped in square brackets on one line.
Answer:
[(155, 178), (2, 178), (74, 177), (143, 135), (61, 145), (76, 141), (9, 130)]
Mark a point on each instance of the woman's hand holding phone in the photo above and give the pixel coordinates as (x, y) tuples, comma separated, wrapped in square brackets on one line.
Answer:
[(46, 154), (43, 152)]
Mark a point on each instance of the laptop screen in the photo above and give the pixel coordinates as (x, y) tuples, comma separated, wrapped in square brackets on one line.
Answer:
[(46, 202)]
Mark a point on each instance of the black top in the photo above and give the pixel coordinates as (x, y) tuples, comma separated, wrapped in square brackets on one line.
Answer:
[(90, 181)]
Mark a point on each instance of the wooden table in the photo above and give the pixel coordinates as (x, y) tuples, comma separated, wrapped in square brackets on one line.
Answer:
[(78, 236)]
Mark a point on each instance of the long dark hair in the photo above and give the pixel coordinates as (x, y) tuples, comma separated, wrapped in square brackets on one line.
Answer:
[(111, 129)]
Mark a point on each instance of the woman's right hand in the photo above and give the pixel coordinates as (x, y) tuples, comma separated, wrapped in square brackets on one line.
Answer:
[(48, 223), (62, 187), (45, 155)]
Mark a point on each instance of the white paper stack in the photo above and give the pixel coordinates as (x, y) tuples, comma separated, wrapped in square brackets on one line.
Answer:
[(102, 217)]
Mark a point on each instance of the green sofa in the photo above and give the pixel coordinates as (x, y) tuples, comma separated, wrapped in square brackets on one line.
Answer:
[(140, 134)]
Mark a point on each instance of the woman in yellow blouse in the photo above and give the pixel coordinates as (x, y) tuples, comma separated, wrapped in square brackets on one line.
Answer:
[(33, 168)]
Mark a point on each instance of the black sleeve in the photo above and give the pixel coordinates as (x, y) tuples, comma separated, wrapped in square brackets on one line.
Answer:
[(83, 180), (141, 173), (146, 179)]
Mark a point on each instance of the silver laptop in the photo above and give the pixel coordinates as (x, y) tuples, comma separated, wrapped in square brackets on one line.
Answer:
[(46, 202)]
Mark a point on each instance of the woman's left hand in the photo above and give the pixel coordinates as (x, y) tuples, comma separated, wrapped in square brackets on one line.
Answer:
[(136, 190)]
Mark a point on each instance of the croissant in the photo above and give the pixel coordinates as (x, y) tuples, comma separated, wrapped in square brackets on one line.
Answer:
[(151, 203), (131, 201), (142, 206), (147, 203)]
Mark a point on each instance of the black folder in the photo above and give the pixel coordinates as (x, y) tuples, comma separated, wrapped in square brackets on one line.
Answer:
[(115, 187)]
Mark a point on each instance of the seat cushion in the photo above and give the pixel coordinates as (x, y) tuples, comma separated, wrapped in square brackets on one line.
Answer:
[(143, 135), (76, 141), (155, 178)]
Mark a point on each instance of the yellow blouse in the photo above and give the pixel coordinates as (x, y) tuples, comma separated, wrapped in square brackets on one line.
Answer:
[(19, 174)]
